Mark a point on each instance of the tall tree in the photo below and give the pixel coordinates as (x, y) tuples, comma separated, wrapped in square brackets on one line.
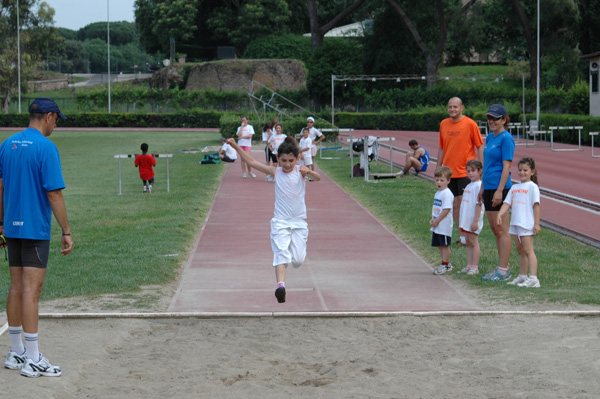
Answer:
[(318, 31), (32, 14), (433, 56)]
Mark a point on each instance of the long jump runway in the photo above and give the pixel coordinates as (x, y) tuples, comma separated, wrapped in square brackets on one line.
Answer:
[(354, 263)]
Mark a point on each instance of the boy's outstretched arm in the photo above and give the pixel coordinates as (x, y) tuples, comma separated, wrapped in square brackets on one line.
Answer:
[(269, 170)]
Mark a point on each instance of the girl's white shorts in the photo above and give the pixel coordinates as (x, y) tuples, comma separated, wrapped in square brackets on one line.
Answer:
[(519, 231), (288, 241)]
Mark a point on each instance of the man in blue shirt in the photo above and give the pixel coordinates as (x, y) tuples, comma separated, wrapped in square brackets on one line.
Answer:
[(419, 159), (31, 186)]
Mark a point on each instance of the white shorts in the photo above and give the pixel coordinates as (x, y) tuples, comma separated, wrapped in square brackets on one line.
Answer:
[(519, 231), (288, 241), (306, 161)]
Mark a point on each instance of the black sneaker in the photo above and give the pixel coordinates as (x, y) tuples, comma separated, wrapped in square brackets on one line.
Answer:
[(280, 294)]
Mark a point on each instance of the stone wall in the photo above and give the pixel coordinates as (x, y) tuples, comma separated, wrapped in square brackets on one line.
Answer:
[(230, 75), (47, 85)]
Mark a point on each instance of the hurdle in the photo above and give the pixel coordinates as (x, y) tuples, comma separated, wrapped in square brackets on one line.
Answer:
[(554, 128), (518, 126), (365, 154), (592, 134), (534, 133), (337, 148), (121, 156)]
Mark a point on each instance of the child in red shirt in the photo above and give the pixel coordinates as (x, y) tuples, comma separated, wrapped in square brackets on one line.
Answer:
[(146, 162)]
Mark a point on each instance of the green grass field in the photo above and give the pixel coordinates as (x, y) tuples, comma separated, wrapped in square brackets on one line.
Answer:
[(125, 241)]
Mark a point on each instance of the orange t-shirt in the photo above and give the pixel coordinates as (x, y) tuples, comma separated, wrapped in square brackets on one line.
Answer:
[(459, 141)]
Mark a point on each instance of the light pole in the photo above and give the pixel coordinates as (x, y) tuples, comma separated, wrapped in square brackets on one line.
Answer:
[(108, 48), (537, 106), (19, 54)]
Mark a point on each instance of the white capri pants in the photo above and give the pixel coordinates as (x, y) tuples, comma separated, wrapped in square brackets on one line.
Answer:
[(288, 241)]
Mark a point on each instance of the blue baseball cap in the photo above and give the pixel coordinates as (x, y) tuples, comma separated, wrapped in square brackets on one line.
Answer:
[(497, 111), (43, 105)]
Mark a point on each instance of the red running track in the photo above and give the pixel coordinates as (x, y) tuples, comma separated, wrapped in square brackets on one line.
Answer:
[(575, 173), (354, 263)]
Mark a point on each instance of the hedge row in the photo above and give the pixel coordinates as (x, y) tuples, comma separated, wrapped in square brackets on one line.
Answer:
[(188, 119)]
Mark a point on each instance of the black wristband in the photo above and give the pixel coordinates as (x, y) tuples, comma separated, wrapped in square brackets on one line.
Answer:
[(66, 234)]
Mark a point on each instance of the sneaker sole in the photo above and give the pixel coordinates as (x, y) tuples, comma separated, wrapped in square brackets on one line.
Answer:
[(39, 374), (280, 294)]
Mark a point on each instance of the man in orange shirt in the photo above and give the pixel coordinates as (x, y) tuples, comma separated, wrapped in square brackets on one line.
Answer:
[(460, 141)]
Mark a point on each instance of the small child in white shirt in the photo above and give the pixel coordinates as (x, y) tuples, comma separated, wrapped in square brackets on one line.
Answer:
[(305, 148), (441, 222), (471, 216)]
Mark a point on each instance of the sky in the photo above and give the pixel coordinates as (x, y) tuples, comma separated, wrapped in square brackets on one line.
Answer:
[(75, 14)]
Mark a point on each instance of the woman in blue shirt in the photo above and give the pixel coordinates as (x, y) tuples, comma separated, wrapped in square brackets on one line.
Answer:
[(497, 160)]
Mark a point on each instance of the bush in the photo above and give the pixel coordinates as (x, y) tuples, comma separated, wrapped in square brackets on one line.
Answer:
[(280, 47)]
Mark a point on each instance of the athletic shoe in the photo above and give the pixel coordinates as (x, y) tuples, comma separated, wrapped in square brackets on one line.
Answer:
[(14, 361), (496, 275), (149, 189), (465, 270), (518, 280), (41, 368), (530, 283), (441, 269), (253, 175), (473, 271), (280, 294), (145, 189), (461, 244), (244, 175)]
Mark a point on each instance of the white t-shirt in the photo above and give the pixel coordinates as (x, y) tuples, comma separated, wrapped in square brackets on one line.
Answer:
[(313, 133), (265, 135), (290, 189), (521, 198), (246, 130), (229, 151), (467, 207), (276, 141), (306, 143), (443, 200)]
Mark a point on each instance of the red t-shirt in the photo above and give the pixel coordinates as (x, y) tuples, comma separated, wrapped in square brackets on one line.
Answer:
[(459, 141), (145, 163)]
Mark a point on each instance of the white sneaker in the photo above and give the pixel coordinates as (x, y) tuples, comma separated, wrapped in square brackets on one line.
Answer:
[(244, 175), (145, 189), (530, 283), (14, 361), (252, 175), (473, 271), (517, 281), (149, 189), (41, 368), (441, 269)]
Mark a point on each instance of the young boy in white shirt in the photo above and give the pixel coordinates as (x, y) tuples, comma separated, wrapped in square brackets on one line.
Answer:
[(441, 222)]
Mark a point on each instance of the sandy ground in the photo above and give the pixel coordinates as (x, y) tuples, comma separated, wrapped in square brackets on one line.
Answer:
[(498, 356), (273, 357)]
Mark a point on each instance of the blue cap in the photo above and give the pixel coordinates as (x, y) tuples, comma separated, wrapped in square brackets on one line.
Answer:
[(43, 105), (497, 111)]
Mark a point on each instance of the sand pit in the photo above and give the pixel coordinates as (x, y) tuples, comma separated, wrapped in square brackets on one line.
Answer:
[(501, 356)]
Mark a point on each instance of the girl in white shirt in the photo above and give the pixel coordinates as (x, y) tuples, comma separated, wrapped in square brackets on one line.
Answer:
[(244, 134), (471, 216), (289, 230), (524, 200)]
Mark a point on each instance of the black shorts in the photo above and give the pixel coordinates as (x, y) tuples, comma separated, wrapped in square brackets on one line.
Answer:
[(271, 157), (457, 185), (30, 253), (487, 197), (438, 240)]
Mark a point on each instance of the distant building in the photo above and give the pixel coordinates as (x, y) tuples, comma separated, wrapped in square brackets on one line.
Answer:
[(594, 59)]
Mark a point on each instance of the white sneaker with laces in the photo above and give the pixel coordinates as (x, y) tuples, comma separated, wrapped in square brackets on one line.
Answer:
[(530, 283), (14, 361), (473, 271), (441, 269), (42, 368), (252, 175), (518, 280)]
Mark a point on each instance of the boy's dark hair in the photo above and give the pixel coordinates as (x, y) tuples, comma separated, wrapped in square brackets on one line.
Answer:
[(144, 147), (413, 142), (288, 147), (475, 164), (305, 129), (443, 171)]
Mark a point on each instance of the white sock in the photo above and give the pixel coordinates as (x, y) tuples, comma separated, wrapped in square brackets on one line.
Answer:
[(281, 284), (15, 339), (523, 276), (400, 173), (463, 239), (31, 344), (533, 277)]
